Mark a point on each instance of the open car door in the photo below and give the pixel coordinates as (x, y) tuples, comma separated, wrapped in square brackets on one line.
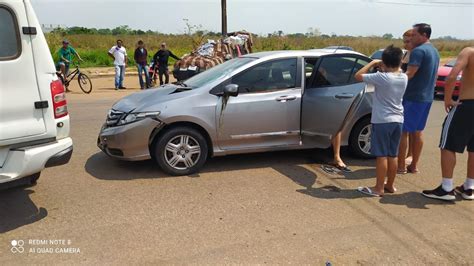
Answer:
[(331, 93)]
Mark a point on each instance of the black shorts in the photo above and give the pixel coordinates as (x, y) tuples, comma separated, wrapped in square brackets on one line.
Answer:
[(458, 128)]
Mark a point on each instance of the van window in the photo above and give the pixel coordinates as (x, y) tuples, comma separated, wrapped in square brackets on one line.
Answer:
[(10, 44)]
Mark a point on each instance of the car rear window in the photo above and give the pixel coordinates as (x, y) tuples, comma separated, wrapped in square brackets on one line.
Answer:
[(9, 35)]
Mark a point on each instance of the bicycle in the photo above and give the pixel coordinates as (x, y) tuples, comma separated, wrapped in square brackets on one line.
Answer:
[(153, 73), (84, 81)]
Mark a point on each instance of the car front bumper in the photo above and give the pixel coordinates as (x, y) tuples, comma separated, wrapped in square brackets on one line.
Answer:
[(128, 142)]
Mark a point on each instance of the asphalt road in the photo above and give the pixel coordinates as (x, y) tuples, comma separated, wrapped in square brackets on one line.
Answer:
[(259, 208)]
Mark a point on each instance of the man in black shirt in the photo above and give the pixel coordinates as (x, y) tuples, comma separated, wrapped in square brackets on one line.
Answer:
[(161, 57)]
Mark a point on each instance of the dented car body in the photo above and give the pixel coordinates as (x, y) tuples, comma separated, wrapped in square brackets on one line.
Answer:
[(260, 102)]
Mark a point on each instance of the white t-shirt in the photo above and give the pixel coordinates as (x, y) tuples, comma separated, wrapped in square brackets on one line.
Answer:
[(388, 96), (119, 54)]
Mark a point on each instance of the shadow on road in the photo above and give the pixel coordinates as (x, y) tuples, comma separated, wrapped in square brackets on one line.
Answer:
[(331, 192), (103, 167), (298, 174), (17, 209), (413, 200)]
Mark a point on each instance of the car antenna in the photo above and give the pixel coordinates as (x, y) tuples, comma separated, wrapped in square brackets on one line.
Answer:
[(337, 48)]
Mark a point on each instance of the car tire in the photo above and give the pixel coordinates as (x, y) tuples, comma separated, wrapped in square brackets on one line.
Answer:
[(184, 147), (360, 137)]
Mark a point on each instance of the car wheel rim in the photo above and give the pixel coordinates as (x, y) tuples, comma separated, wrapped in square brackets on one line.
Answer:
[(365, 138), (182, 152)]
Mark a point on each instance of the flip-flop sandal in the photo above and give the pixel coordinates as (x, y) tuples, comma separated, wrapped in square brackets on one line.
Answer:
[(368, 191), (402, 172), (344, 169), (329, 169)]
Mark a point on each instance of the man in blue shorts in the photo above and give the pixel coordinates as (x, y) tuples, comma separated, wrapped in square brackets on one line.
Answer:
[(422, 72)]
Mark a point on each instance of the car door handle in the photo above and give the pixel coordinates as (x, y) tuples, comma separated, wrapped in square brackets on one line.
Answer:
[(344, 96), (286, 98)]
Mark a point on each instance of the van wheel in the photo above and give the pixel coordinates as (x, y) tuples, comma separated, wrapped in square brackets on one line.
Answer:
[(181, 151), (360, 138)]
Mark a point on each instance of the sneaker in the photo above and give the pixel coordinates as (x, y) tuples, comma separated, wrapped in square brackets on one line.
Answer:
[(122, 88), (465, 193), (439, 193)]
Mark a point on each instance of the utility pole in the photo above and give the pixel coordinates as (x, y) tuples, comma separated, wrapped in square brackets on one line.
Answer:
[(224, 17)]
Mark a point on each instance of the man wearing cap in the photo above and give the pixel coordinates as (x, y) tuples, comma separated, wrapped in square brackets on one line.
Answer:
[(65, 56)]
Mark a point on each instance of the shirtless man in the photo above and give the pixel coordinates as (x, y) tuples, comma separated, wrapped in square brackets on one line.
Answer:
[(458, 130)]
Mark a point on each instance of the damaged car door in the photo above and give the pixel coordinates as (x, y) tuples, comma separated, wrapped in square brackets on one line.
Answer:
[(266, 111), (331, 94)]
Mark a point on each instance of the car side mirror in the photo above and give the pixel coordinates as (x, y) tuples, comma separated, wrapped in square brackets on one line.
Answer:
[(231, 90)]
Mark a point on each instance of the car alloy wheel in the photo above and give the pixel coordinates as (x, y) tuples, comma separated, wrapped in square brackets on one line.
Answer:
[(182, 152), (364, 139)]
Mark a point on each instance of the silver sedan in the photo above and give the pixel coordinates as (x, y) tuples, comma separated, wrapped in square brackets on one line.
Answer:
[(267, 101)]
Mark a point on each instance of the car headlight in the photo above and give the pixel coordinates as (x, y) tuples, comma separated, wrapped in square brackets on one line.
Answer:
[(134, 117)]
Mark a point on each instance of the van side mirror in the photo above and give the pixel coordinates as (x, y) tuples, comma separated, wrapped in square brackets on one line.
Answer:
[(231, 90)]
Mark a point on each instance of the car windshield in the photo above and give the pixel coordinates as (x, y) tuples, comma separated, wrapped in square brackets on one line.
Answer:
[(451, 63), (217, 72)]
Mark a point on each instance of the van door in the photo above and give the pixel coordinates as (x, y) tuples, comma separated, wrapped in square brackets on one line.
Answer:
[(20, 121), (330, 93), (18, 84)]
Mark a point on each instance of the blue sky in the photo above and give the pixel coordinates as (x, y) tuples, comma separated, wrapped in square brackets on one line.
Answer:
[(351, 17)]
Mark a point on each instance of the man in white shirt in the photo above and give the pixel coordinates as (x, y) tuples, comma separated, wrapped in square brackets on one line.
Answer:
[(119, 54)]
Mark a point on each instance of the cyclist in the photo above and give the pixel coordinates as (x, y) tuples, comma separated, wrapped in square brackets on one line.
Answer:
[(65, 56)]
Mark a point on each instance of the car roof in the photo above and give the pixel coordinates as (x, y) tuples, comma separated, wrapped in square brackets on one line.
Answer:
[(311, 52)]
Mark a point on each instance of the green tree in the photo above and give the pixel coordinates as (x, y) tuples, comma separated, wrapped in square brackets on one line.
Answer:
[(121, 30)]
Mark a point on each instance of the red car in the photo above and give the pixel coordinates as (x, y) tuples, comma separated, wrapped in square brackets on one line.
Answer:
[(443, 72)]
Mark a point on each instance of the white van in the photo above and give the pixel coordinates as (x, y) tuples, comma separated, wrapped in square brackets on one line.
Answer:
[(34, 121)]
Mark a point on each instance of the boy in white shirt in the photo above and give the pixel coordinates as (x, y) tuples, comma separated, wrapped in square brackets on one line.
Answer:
[(119, 54), (387, 117)]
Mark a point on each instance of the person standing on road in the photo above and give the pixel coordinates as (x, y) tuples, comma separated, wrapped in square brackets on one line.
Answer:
[(387, 117), (337, 161), (140, 56), (458, 130), (408, 46), (422, 72), (119, 54), (161, 58)]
